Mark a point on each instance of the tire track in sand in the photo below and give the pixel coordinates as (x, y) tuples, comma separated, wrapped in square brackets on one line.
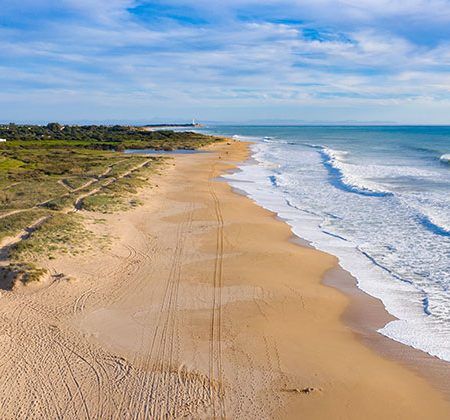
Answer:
[(215, 352), (159, 404), (156, 395)]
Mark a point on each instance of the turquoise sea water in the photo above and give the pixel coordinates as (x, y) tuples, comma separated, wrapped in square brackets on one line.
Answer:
[(376, 197)]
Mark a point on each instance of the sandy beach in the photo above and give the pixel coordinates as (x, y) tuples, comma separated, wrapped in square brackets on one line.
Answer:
[(202, 307)]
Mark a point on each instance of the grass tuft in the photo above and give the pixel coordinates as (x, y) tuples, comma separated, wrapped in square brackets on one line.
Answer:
[(24, 272), (62, 233)]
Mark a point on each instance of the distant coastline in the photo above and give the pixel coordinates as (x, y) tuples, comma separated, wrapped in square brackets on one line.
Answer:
[(153, 127)]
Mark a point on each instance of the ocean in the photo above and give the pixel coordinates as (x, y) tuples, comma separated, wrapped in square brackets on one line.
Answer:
[(376, 197)]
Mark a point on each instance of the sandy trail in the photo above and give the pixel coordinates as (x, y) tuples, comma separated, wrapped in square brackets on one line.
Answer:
[(202, 308), (10, 213), (79, 200), (7, 243)]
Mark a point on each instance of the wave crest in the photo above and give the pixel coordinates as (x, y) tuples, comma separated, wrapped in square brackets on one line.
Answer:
[(344, 178)]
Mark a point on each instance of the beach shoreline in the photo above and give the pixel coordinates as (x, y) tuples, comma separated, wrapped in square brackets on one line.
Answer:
[(203, 307), (366, 314), (348, 197)]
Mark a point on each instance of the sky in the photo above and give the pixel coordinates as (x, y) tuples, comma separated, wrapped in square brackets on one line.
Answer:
[(232, 61)]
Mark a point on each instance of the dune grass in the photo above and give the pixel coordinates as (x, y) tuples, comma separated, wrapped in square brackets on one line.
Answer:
[(23, 272), (13, 224), (60, 234)]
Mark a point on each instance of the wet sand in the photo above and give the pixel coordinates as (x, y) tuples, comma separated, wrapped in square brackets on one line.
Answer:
[(366, 314)]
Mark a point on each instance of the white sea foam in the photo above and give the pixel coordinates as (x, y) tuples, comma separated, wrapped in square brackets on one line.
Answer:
[(350, 175), (431, 210), (445, 158), (244, 138)]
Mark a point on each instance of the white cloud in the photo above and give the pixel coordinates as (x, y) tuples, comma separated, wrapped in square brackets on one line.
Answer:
[(101, 50)]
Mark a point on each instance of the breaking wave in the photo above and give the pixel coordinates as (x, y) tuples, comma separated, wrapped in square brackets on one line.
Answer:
[(347, 176)]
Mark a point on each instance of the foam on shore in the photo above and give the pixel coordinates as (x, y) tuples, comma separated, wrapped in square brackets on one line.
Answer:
[(419, 306)]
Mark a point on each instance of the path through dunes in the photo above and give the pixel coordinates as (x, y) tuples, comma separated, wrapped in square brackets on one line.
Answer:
[(200, 309)]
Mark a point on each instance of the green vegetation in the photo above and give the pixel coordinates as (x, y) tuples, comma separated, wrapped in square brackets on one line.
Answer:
[(103, 203), (48, 172), (13, 224), (119, 195), (115, 137), (7, 164), (61, 233), (24, 272)]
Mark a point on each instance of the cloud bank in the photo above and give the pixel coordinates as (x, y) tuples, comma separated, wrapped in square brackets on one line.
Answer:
[(232, 60)]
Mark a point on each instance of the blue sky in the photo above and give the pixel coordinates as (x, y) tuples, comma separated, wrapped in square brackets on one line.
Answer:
[(235, 60)]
